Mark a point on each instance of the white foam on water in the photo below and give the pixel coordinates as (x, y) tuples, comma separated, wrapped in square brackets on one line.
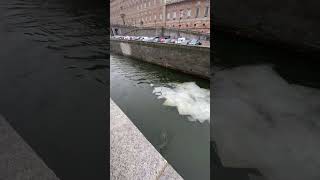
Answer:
[(262, 121), (189, 98)]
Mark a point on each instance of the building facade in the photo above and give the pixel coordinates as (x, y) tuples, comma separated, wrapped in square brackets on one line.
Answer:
[(188, 14), (180, 14), (143, 13)]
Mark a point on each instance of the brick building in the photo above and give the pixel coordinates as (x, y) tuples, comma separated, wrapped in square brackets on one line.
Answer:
[(146, 13), (180, 14), (188, 14)]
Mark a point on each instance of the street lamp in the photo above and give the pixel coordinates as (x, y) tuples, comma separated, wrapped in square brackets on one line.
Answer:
[(122, 15), (179, 26)]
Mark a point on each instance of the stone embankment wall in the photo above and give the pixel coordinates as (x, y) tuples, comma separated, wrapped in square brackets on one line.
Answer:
[(193, 60), (294, 23)]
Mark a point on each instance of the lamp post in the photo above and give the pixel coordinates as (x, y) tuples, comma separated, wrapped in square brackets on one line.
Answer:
[(122, 15), (179, 26)]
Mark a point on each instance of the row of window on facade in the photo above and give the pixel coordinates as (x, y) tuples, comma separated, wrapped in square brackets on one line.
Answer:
[(145, 4), (141, 4), (189, 13), (187, 25), (174, 15)]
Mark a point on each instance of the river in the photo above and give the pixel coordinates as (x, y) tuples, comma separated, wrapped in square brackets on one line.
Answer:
[(54, 82), (177, 124), (266, 112)]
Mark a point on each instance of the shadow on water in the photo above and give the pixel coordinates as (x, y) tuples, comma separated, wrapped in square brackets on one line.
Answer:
[(265, 108), (54, 74)]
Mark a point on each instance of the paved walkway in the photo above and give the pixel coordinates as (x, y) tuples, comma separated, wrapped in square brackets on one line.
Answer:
[(17, 160), (132, 156)]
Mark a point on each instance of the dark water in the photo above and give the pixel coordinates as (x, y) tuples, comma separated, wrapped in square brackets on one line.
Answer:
[(186, 143), (54, 82), (266, 112)]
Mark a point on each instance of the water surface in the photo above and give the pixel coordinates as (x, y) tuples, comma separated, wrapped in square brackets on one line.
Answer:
[(266, 112), (54, 82), (180, 135)]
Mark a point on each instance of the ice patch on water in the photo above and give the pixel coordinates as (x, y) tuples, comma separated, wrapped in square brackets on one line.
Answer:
[(189, 98)]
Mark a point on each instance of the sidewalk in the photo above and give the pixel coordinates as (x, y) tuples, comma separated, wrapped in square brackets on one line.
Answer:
[(132, 156), (17, 160)]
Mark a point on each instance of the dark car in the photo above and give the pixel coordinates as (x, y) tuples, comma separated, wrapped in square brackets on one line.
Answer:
[(194, 42)]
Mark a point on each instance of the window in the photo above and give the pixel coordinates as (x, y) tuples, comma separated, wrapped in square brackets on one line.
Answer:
[(206, 11), (149, 3), (168, 16), (155, 17), (189, 12), (195, 25), (145, 5), (174, 15), (137, 7), (197, 12), (160, 16), (181, 13)]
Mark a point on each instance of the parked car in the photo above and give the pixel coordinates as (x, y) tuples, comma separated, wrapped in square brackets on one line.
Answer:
[(195, 42), (135, 38), (185, 42), (150, 39), (145, 39), (156, 39), (173, 41), (164, 38), (180, 40), (167, 40)]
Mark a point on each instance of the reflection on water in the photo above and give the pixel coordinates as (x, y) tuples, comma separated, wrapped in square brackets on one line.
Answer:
[(265, 115), (184, 143), (53, 81)]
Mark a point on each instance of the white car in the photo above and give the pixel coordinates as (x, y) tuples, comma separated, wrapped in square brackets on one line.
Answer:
[(145, 39), (181, 40)]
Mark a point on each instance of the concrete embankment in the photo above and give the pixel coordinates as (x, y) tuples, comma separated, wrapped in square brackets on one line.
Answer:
[(193, 60), (17, 159), (132, 156)]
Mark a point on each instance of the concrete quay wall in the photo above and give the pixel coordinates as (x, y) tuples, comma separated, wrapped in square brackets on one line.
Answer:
[(132, 156), (193, 60)]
